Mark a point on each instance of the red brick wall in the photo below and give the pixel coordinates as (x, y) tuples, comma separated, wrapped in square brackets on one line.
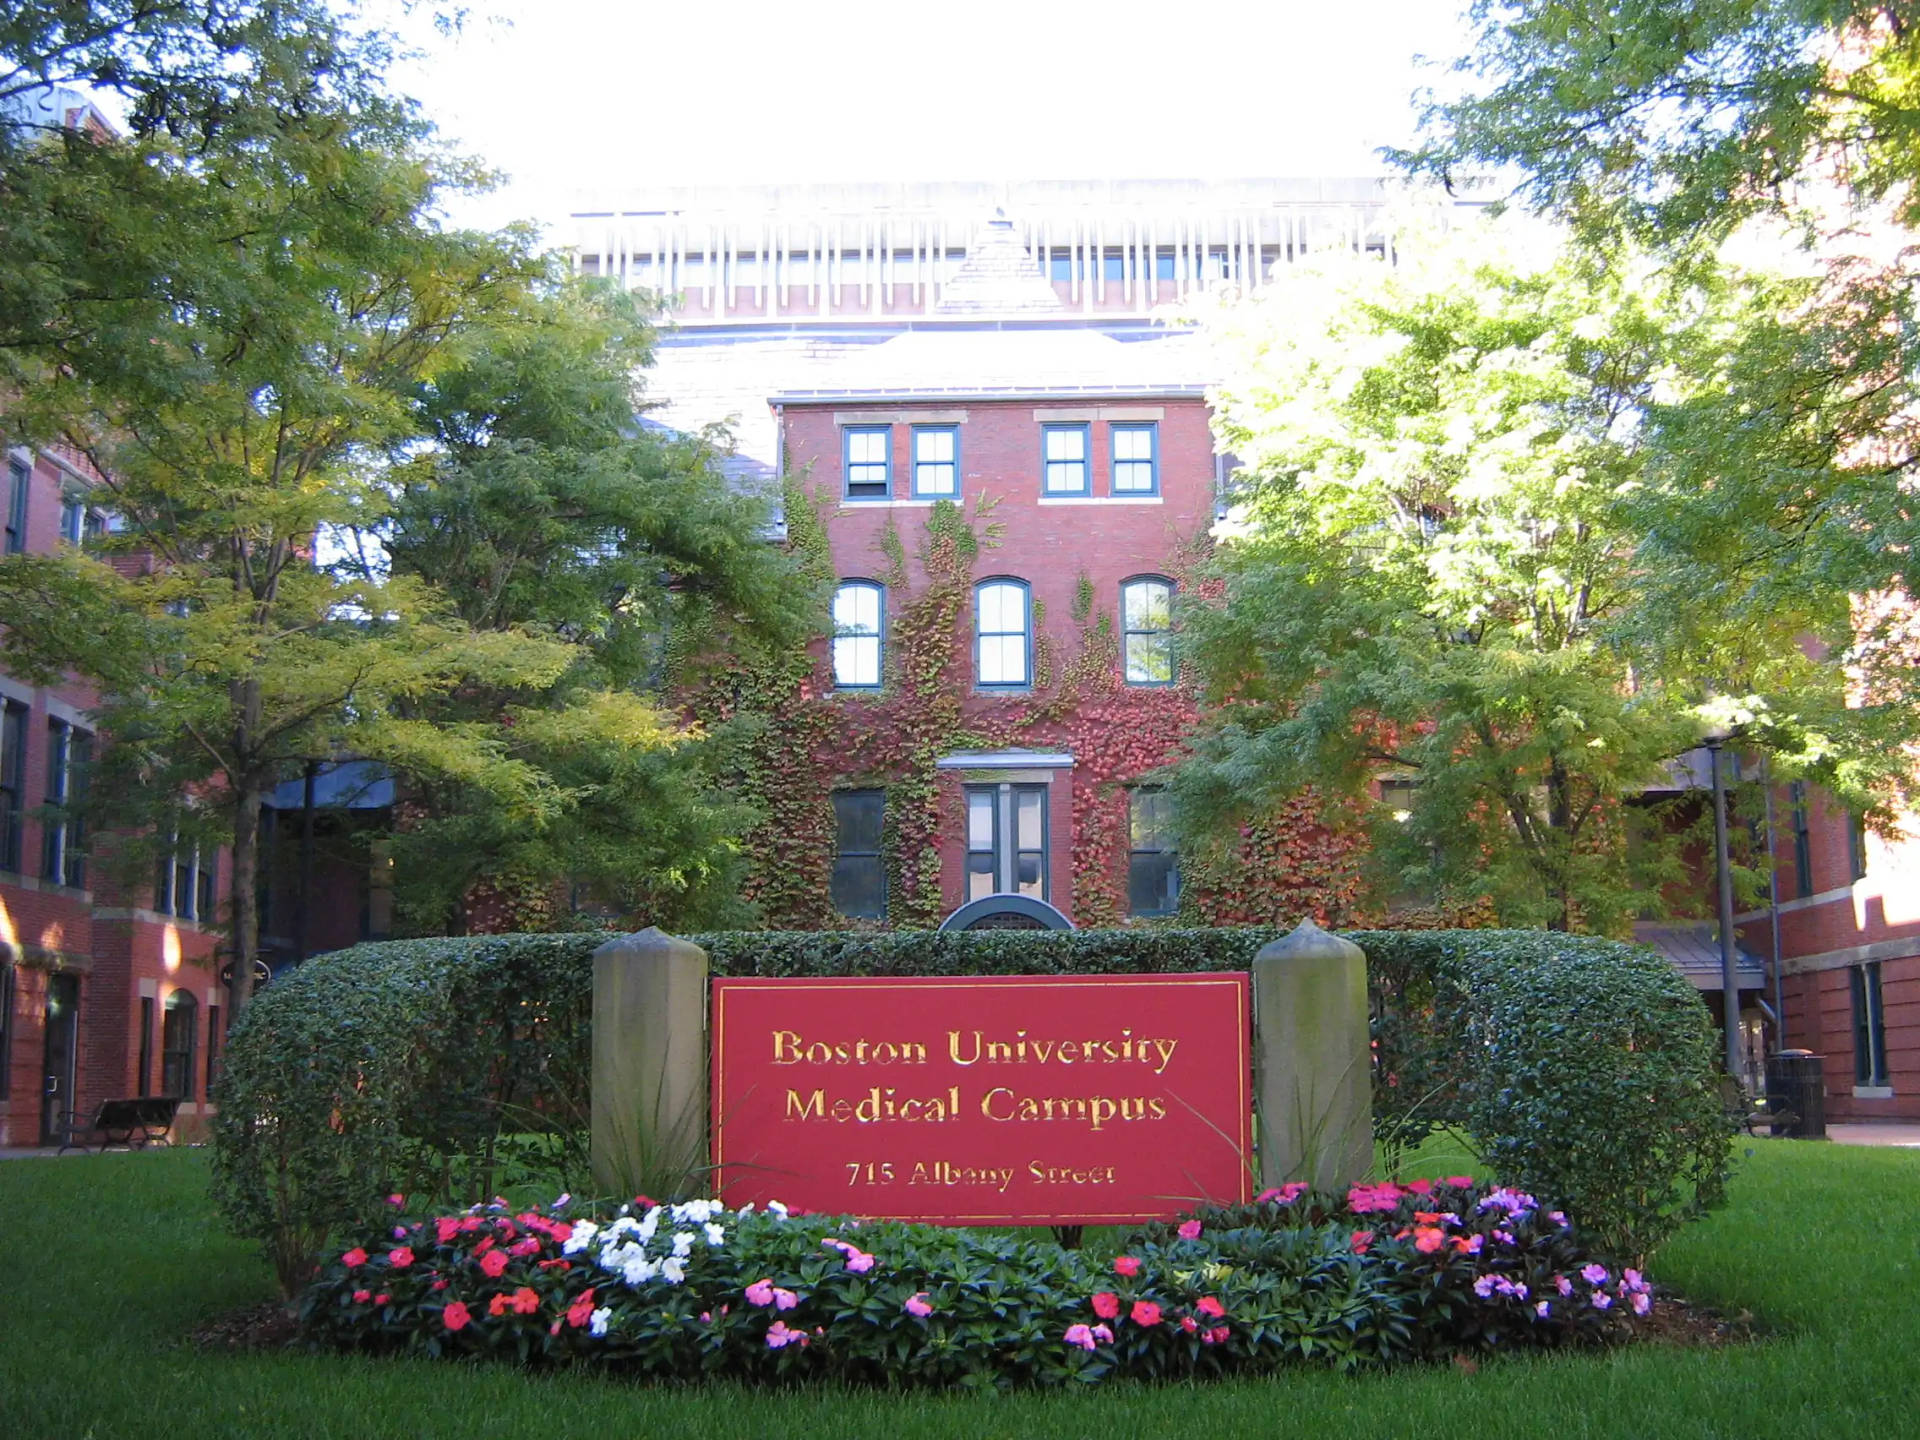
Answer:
[(1048, 545)]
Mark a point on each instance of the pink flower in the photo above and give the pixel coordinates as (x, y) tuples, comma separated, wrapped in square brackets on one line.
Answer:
[(1361, 1240), (399, 1232), (396, 1201), (445, 1228), (1602, 1300), (1189, 1324), (1427, 1239), (1594, 1274), (1469, 1244), (1145, 1312), (1211, 1307), (1285, 1195), (1103, 1334), (400, 1257), (1079, 1335), (1219, 1335), (1642, 1302), (381, 1298), (1190, 1230), (858, 1261), (784, 1299), (360, 1297), (439, 1284), (779, 1336), (1543, 1309), (1127, 1266), (354, 1258), (760, 1292), (455, 1316), (1459, 1182), (525, 1300), (1563, 1285), (1420, 1187), (1106, 1305), (528, 1246), (492, 1263), (917, 1305)]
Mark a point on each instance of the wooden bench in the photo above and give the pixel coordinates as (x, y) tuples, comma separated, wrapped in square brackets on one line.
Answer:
[(135, 1123)]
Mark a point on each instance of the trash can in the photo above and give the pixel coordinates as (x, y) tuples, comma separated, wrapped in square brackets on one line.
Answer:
[(1797, 1092)]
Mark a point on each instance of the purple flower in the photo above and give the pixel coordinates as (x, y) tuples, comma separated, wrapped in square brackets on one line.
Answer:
[(1594, 1274), (1602, 1300), (1483, 1287), (1642, 1302), (1542, 1309), (1080, 1335), (1564, 1285)]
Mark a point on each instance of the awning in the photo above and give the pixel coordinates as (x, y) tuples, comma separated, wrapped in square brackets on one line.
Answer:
[(1694, 951)]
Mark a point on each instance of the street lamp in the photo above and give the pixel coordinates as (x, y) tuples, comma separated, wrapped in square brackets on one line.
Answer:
[(1729, 972)]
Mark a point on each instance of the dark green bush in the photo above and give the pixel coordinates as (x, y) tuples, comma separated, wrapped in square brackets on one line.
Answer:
[(1582, 1069)]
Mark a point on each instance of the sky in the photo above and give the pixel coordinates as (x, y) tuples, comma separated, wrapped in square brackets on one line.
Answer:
[(573, 99)]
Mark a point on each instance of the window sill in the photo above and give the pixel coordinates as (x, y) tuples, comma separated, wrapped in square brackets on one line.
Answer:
[(1873, 1092), (45, 887), (1102, 500), (876, 503)]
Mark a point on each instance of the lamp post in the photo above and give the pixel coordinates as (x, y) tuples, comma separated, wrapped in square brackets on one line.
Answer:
[(1729, 971)]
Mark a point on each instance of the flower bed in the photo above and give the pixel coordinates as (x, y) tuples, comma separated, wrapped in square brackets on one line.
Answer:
[(1393, 1272)]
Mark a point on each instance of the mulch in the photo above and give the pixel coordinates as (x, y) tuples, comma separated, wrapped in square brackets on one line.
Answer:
[(266, 1326)]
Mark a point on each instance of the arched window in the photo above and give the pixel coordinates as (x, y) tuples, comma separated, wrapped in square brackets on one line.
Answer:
[(1146, 630), (176, 1045), (1002, 634), (859, 611)]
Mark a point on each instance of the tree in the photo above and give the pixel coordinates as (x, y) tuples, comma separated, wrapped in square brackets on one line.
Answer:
[(1702, 130), (232, 347), (541, 504), (1436, 572)]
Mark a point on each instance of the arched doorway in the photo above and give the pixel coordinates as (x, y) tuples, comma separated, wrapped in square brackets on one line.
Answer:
[(1006, 912)]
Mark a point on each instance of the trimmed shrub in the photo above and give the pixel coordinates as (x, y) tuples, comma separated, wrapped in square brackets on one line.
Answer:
[(1394, 1273), (1583, 1069)]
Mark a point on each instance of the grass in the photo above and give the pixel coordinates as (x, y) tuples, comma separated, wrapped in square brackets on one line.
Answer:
[(113, 1259)]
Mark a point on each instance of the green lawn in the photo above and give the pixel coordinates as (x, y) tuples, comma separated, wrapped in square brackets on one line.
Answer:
[(111, 1260)]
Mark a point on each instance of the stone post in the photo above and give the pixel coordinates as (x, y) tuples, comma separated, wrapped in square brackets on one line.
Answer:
[(649, 1132), (1313, 1099)]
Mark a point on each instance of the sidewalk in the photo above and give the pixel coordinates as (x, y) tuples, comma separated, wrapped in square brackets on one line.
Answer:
[(1906, 1135)]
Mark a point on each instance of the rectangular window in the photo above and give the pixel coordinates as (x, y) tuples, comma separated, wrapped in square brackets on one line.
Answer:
[(1163, 261), (19, 481), (213, 1047), (1060, 267), (1063, 453), (1006, 840), (177, 1025), (7, 992), (859, 876), (936, 462), (1113, 267), (203, 897), (143, 1081), (1869, 1027), (1153, 865), (869, 462), (1857, 845), (1802, 840), (68, 752), (1136, 464), (13, 780)]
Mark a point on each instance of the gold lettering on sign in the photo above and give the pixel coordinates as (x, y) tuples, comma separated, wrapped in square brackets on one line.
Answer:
[(973, 1047), (791, 1048)]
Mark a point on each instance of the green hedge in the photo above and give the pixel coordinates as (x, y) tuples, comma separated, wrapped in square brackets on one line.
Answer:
[(1583, 1069)]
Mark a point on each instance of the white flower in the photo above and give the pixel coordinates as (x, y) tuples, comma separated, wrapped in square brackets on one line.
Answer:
[(776, 1209), (715, 1235), (682, 1244), (597, 1321), (672, 1271), (647, 1226), (638, 1270), (582, 1236)]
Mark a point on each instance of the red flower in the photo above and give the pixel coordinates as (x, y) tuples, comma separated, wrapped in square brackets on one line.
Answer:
[(497, 1306), (1210, 1306), (1145, 1312), (455, 1316), (525, 1301), (1426, 1239), (1189, 1324), (445, 1228), (581, 1310), (528, 1246), (1460, 1182), (484, 1246), (1420, 1187), (439, 1284), (493, 1262), (1106, 1305), (552, 1264), (380, 1299), (360, 1297), (354, 1258), (1426, 1217), (400, 1257), (1126, 1265), (1219, 1335), (1361, 1240)]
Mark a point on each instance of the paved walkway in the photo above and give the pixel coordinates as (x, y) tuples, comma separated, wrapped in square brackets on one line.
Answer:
[(1906, 1136)]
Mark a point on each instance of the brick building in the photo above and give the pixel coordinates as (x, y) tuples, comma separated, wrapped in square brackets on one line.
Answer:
[(106, 990)]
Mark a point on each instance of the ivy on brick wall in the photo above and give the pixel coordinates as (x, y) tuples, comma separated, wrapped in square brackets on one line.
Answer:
[(802, 740)]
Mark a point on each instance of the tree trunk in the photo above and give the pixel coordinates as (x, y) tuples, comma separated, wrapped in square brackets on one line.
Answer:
[(246, 914)]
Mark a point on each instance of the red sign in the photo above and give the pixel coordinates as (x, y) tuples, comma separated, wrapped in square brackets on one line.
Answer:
[(1085, 1099)]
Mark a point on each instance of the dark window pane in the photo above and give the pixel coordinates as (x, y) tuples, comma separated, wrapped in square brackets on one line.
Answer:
[(859, 815), (858, 886), (1152, 884)]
